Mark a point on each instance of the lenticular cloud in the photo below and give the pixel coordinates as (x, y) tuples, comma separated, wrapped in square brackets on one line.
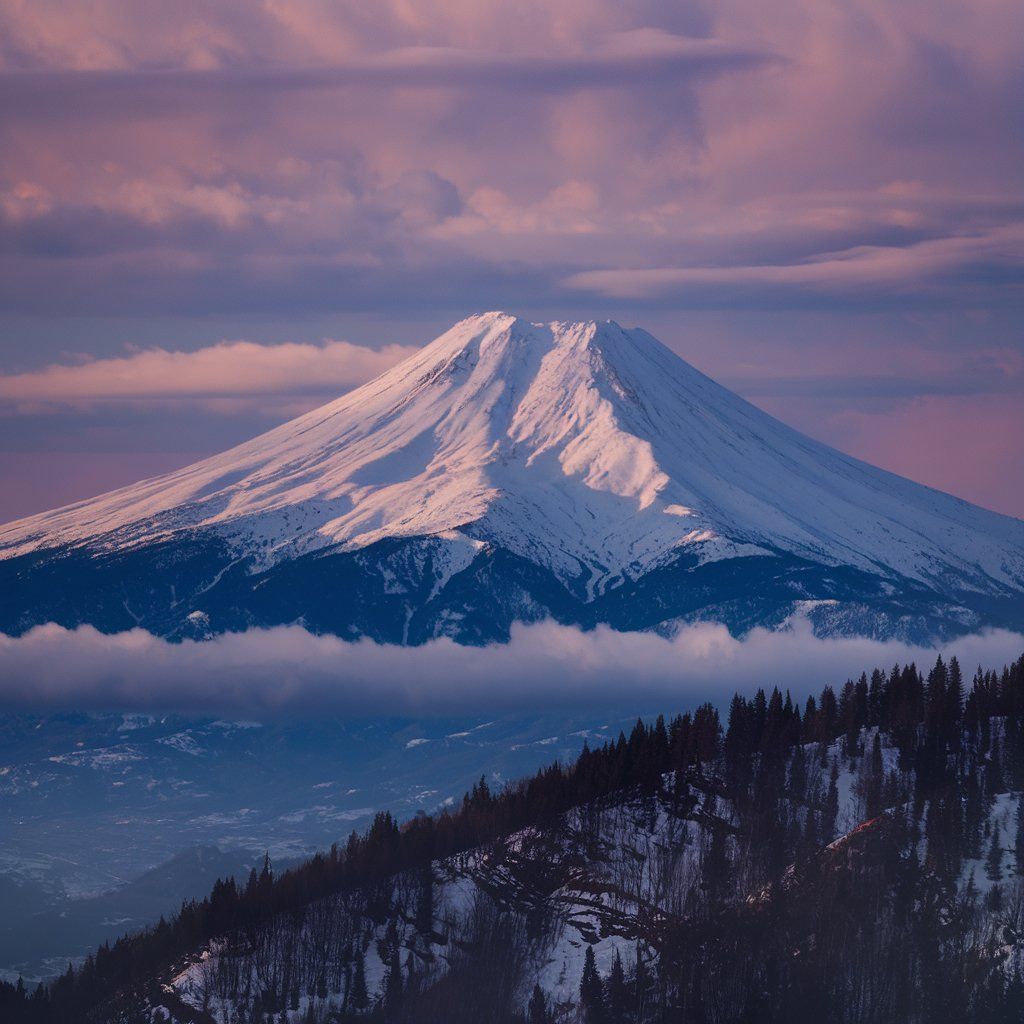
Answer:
[(544, 665)]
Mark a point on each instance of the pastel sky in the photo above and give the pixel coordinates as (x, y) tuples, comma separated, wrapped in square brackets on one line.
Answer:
[(215, 215)]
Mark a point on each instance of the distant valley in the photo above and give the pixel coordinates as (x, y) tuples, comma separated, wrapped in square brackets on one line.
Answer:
[(108, 821)]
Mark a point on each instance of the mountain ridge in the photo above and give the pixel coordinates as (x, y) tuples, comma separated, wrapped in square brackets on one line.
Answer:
[(585, 452)]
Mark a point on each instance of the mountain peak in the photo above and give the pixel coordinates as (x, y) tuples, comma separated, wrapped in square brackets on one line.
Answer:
[(576, 333), (585, 449), (512, 352), (504, 318)]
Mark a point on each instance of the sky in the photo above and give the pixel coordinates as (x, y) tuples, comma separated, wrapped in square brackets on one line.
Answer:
[(216, 215)]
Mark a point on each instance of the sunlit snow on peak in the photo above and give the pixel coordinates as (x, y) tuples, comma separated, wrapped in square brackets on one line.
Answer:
[(586, 448)]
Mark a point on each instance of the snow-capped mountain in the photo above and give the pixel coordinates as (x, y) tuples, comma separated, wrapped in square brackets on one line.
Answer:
[(513, 471)]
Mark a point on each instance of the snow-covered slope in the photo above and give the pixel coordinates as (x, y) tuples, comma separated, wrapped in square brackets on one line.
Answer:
[(624, 876), (591, 452)]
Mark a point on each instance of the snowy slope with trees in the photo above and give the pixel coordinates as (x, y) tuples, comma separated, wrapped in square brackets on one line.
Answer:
[(856, 858)]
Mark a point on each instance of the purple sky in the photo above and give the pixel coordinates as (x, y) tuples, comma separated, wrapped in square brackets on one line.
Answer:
[(215, 215)]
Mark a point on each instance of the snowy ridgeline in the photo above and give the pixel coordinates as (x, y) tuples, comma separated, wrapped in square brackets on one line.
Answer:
[(550, 461), (614, 876), (640, 855)]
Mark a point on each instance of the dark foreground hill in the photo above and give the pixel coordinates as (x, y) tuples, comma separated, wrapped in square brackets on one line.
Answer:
[(859, 858)]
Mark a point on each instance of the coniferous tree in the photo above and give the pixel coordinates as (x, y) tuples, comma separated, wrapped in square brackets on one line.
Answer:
[(807, 843), (798, 774), (537, 1008), (592, 1004), (1018, 847), (641, 986), (953, 720), (616, 993), (812, 721), (876, 705), (875, 779), (425, 901), (829, 714), (359, 997), (715, 866), (997, 781), (994, 860), (831, 810), (393, 981), (346, 991)]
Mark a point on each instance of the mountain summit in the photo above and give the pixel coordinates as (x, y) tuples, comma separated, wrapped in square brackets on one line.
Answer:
[(514, 471)]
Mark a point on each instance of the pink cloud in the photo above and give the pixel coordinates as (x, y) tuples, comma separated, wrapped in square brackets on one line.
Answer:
[(218, 112), (230, 369)]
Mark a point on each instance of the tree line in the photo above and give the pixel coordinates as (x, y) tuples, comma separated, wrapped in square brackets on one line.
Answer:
[(956, 746)]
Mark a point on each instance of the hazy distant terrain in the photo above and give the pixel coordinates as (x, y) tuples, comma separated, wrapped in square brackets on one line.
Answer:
[(107, 821)]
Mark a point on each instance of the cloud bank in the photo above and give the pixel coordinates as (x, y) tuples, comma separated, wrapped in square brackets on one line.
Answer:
[(543, 666)]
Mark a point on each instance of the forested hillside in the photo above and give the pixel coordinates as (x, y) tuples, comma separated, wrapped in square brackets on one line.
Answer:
[(859, 857)]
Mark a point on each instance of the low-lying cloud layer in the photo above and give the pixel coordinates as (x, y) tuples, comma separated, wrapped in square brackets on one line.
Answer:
[(543, 666)]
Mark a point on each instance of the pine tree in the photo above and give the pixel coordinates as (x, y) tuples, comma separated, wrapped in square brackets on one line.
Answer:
[(393, 981), (359, 996), (412, 979), (641, 986), (537, 1008), (591, 990), (715, 866), (876, 777), (346, 991), (798, 775), (829, 713), (953, 721), (616, 993), (1014, 996), (425, 902), (808, 841), (994, 860), (994, 899), (994, 782), (1019, 837), (876, 702), (831, 811), (970, 897), (812, 721)]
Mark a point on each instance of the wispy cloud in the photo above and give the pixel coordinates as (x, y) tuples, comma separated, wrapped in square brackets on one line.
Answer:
[(996, 255), (230, 369), (544, 665), (640, 57)]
